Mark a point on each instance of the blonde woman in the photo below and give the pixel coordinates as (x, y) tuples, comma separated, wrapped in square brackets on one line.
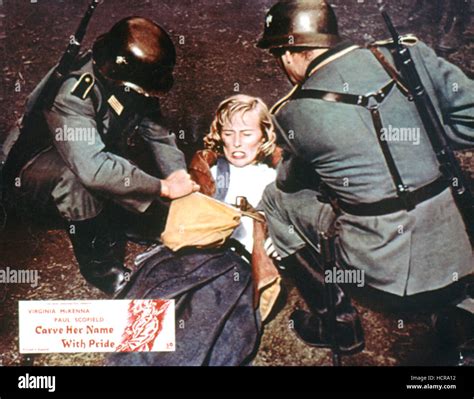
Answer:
[(218, 291), (242, 139)]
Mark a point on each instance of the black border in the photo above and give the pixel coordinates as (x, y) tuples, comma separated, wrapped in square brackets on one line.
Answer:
[(244, 379)]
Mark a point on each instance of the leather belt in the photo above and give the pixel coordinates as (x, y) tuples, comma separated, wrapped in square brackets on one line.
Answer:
[(392, 205)]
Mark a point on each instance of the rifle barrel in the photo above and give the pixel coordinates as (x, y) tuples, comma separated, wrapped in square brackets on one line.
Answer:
[(81, 30), (391, 27)]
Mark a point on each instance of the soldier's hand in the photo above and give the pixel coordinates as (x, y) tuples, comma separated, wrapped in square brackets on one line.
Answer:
[(177, 185)]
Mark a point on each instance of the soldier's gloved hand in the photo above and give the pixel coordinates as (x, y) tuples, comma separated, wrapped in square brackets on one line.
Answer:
[(177, 185)]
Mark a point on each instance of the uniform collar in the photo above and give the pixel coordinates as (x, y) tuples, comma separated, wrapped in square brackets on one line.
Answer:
[(329, 56), (324, 59)]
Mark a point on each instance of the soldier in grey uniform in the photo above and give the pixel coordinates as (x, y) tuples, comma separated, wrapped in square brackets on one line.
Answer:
[(348, 126), (73, 157)]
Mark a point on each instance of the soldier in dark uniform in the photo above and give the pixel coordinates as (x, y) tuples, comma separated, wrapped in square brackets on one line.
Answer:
[(455, 16), (348, 126), (458, 15), (424, 10), (72, 157)]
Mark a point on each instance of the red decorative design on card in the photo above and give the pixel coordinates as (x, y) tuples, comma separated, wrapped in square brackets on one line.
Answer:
[(145, 322)]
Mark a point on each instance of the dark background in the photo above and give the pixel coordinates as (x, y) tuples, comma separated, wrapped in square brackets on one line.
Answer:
[(217, 56)]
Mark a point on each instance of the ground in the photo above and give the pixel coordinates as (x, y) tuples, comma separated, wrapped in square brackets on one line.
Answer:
[(216, 58)]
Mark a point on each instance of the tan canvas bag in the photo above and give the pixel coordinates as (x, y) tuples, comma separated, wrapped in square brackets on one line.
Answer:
[(199, 221)]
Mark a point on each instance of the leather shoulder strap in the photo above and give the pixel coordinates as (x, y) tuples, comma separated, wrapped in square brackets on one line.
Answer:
[(368, 100), (392, 72), (371, 102)]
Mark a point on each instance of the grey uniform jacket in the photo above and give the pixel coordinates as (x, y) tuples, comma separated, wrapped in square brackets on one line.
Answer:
[(78, 126), (406, 252)]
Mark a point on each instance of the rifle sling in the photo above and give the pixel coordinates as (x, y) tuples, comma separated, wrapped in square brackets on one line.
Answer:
[(392, 72)]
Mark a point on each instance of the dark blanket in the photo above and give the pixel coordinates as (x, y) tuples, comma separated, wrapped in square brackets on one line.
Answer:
[(216, 324)]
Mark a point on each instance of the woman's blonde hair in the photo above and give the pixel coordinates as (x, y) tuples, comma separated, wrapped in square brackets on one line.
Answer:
[(232, 106)]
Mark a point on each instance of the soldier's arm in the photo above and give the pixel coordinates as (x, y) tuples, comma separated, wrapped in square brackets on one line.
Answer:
[(293, 173), (97, 169), (284, 179), (167, 156), (455, 94)]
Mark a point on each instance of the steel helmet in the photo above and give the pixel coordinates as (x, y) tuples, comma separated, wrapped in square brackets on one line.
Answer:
[(300, 23), (136, 53)]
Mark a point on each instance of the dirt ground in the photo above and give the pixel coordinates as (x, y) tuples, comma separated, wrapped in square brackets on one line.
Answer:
[(216, 55)]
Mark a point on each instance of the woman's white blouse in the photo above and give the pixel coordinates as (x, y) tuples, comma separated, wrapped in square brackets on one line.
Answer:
[(250, 182)]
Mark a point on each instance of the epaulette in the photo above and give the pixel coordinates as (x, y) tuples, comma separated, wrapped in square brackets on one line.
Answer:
[(83, 86), (408, 40), (282, 102), (116, 105)]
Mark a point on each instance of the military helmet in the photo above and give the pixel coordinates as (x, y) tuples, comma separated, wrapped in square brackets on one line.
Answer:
[(138, 54), (300, 23)]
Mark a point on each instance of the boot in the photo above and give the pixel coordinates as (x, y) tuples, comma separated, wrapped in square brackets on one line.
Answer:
[(100, 252), (417, 14), (454, 328), (452, 40), (457, 20), (423, 12), (466, 354), (313, 327)]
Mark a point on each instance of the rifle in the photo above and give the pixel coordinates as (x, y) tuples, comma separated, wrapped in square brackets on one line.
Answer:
[(328, 253), (56, 79), (48, 94), (449, 165)]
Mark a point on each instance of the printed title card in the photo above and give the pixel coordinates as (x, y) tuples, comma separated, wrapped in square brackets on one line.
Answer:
[(97, 326)]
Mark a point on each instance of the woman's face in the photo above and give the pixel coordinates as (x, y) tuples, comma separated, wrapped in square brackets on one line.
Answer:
[(242, 138)]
